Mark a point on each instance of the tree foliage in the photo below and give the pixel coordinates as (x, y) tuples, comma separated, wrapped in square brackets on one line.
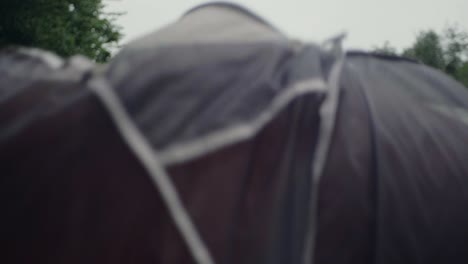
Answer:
[(66, 27), (462, 74), (446, 51), (427, 49)]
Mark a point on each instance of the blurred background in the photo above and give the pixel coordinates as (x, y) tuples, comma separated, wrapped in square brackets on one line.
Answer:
[(431, 31)]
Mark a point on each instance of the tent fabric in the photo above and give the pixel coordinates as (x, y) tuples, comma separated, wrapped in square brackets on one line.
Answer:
[(420, 161), (232, 114), (268, 68)]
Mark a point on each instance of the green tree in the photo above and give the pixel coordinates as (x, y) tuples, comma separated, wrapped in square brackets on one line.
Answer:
[(447, 51), (66, 27), (427, 49), (456, 52), (462, 74)]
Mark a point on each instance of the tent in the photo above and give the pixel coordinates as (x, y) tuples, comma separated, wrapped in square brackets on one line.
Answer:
[(219, 139)]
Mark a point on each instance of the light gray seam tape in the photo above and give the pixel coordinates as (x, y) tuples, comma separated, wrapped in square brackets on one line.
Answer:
[(143, 151), (201, 146), (49, 58), (328, 112), (456, 113)]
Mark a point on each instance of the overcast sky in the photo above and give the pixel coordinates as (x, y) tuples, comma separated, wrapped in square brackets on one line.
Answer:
[(367, 22)]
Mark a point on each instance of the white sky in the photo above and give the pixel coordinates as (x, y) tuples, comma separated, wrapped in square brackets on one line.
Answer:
[(367, 22)]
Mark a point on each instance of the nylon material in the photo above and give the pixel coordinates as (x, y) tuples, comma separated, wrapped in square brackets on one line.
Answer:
[(40, 68), (201, 101), (14, 64), (188, 54), (408, 81), (423, 184), (200, 95), (27, 98), (284, 251), (222, 26), (81, 63), (455, 113), (425, 135), (327, 123), (411, 78), (306, 64), (141, 67), (150, 161), (181, 152), (453, 91), (413, 104), (415, 123), (346, 196), (50, 59), (422, 162), (289, 220), (13, 124), (419, 115)]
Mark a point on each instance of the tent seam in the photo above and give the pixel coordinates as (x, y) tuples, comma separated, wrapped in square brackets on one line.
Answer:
[(148, 158)]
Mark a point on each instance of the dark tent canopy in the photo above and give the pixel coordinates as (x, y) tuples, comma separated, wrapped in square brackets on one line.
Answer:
[(218, 139)]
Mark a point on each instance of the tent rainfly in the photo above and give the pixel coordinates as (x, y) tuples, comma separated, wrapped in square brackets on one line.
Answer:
[(218, 139)]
